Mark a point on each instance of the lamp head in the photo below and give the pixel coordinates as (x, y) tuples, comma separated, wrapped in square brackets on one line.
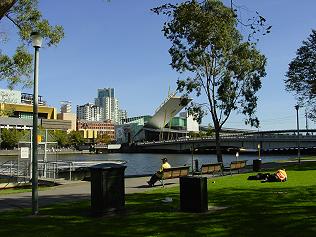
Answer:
[(36, 39)]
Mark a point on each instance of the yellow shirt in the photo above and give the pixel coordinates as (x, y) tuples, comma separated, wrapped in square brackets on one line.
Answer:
[(165, 165)]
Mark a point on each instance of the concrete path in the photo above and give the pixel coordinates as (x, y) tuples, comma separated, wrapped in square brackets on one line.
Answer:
[(71, 191)]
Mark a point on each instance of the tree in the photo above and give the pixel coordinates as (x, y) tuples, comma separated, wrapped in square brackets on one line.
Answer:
[(301, 75), (25, 16), (104, 138), (10, 138), (61, 137), (76, 138), (217, 63)]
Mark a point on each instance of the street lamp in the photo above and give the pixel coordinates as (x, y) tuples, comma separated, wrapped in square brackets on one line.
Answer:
[(298, 134), (37, 43)]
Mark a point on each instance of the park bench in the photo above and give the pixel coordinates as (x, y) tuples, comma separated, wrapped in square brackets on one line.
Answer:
[(236, 165), (211, 168), (174, 172)]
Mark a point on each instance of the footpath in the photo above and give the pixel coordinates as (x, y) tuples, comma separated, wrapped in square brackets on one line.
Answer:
[(71, 191)]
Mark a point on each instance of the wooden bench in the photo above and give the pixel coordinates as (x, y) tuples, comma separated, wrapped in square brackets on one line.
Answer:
[(237, 165), (174, 172), (211, 168)]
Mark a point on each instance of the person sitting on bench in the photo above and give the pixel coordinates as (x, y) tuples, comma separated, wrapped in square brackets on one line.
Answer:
[(155, 177)]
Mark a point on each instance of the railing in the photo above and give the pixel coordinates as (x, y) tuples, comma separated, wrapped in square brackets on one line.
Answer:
[(21, 170), (261, 137)]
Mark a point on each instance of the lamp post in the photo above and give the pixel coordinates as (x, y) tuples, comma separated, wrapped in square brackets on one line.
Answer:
[(298, 134), (37, 43), (259, 158)]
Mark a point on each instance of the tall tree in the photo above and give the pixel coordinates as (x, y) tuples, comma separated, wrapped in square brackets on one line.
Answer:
[(209, 50), (301, 75), (26, 17)]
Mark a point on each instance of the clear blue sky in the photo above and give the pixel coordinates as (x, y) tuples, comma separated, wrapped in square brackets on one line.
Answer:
[(119, 44)]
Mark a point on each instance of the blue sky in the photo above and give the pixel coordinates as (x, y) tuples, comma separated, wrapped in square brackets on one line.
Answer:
[(120, 44)]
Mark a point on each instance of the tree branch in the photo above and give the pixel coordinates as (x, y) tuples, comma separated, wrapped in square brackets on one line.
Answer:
[(13, 21), (5, 6)]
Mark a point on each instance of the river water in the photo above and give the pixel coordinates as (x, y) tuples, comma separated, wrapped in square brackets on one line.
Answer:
[(147, 163)]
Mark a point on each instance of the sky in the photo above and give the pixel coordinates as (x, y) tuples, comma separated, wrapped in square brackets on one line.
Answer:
[(119, 44)]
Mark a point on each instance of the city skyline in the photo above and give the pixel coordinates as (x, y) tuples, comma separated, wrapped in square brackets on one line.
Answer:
[(119, 44)]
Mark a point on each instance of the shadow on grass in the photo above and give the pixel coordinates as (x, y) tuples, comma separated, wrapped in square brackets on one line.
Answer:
[(252, 209)]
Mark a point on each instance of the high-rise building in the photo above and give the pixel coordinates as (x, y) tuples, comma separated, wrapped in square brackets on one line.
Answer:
[(65, 107), (122, 114), (90, 112), (109, 104)]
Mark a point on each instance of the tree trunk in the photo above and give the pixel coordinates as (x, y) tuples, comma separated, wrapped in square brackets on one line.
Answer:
[(218, 144), (5, 6)]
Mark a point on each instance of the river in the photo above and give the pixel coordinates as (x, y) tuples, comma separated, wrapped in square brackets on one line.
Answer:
[(147, 163)]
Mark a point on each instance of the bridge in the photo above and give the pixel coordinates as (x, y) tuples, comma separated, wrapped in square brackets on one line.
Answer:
[(268, 140)]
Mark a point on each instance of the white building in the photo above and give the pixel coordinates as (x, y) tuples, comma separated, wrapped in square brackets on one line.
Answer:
[(109, 103), (65, 107), (90, 112), (192, 125), (10, 96), (122, 115)]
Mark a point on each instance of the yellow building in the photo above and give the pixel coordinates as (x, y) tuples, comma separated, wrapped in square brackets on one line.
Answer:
[(25, 111)]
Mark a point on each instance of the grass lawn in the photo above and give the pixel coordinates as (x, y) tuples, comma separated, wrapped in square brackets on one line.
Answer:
[(243, 208)]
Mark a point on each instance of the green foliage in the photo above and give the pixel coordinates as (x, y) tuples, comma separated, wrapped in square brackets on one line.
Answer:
[(61, 137), (75, 138), (208, 49), (24, 15), (301, 75), (64, 139), (104, 138), (10, 138)]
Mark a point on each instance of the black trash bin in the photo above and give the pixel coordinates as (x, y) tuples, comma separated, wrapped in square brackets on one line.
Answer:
[(107, 188), (256, 165), (193, 194)]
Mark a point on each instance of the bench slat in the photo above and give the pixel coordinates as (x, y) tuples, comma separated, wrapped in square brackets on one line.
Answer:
[(237, 165), (211, 168), (175, 172)]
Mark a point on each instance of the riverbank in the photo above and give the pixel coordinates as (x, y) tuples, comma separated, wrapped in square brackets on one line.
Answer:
[(56, 152)]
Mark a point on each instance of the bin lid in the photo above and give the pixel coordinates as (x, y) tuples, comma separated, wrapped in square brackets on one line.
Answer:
[(105, 166)]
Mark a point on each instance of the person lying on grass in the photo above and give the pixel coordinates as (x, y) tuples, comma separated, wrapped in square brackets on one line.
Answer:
[(279, 176)]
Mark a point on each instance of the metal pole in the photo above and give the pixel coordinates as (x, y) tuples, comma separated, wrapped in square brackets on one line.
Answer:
[(298, 134), (31, 151), (45, 155), (192, 159), (34, 141)]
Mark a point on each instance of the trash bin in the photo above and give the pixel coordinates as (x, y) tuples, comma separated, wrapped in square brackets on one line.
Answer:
[(256, 165), (193, 194), (107, 188)]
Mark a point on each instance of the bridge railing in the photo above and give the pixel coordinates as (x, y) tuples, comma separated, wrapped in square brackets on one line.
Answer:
[(259, 137)]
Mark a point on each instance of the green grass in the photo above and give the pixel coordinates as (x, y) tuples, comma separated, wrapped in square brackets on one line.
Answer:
[(245, 208), (19, 190)]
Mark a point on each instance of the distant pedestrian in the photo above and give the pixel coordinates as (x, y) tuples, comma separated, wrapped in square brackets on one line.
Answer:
[(158, 175)]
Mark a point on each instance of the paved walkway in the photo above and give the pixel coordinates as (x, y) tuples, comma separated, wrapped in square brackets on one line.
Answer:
[(71, 191)]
